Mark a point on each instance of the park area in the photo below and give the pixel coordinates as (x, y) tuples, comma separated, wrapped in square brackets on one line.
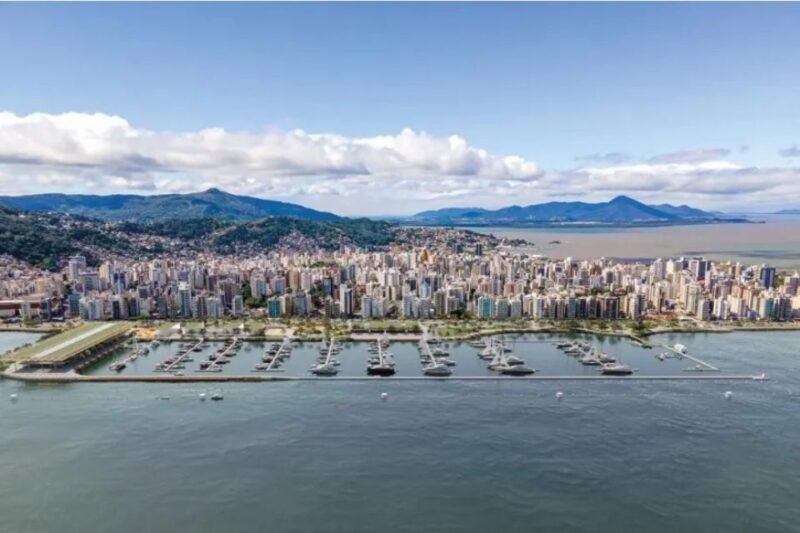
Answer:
[(64, 346)]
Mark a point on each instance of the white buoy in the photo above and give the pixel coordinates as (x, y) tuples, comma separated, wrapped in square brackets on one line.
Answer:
[(13, 397), (728, 395), (384, 395), (202, 396), (559, 395)]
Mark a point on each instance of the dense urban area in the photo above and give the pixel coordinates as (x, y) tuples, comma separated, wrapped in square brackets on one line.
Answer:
[(436, 273)]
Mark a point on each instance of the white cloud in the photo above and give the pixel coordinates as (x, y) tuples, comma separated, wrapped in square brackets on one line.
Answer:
[(409, 171), (708, 183), (104, 153)]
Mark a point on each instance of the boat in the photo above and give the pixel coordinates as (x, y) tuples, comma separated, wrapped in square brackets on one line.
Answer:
[(117, 367), (605, 358), (217, 396), (616, 369), (324, 370), (380, 370), (590, 360), (517, 370), (445, 361), (512, 360), (487, 353), (438, 369)]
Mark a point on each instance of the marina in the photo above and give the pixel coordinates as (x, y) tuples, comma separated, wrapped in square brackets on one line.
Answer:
[(382, 363), (275, 356), (327, 365), (534, 357), (431, 365)]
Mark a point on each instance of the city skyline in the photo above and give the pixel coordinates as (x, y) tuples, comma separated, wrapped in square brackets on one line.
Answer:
[(483, 105)]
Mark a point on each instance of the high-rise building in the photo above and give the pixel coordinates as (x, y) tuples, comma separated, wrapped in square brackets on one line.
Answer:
[(346, 301)]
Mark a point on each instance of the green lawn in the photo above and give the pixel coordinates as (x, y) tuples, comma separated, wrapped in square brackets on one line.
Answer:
[(65, 345)]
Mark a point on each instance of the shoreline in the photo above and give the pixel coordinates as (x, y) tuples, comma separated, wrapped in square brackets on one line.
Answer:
[(276, 332)]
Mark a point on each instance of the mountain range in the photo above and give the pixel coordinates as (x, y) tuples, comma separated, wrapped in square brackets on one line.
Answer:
[(622, 210), (212, 203), (220, 205)]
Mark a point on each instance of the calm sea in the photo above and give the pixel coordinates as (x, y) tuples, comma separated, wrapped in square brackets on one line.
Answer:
[(434, 456), (776, 241)]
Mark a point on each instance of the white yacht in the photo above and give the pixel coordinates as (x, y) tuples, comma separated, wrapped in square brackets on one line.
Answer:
[(616, 369), (605, 358), (323, 369), (517, 370), (590, 360), (514, 360), (438, 369)]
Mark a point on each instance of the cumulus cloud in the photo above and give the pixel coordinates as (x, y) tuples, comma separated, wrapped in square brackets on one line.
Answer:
[(691, 156), (410, 170), (99, 152), (710, 182)]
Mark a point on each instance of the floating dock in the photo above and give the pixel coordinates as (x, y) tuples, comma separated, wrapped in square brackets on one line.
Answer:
[(703, 364), (284, 349)]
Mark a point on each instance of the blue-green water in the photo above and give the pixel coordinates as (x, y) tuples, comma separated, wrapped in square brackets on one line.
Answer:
[(775, 241), (435, 456), (10, 341)]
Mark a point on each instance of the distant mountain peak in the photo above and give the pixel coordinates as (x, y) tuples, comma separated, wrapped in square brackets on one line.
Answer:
[(622, 199)]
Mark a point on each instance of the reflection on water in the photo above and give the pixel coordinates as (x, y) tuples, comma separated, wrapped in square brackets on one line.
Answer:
[(776, 241)]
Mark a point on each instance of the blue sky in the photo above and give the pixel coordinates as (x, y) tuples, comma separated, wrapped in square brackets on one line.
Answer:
[(558, 85)]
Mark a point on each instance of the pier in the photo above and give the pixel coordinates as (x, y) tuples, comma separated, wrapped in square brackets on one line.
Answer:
[(179, 360), (214, 365), (703, 364), (285, 347), (381, 356), (426, 349), (74, 377), (331, 347)]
